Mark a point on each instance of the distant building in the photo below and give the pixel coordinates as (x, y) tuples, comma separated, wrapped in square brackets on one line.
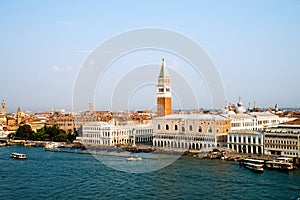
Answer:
[(264, 119), (64, 122), (3, 109), (190, 131), (91, 107), (3, 119), (246, 141), (283, 140), (19, 116), (240, 109), (36, 123), (107, 134), (254, 120), (240, 121), (164, 96)]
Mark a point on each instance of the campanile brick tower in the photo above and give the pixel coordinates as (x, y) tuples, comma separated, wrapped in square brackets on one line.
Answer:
[(164, 96)]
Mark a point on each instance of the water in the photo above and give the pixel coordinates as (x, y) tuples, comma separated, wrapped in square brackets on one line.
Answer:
[(54, 175)]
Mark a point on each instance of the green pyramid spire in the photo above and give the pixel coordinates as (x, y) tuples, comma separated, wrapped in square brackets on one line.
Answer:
[(163, 70)]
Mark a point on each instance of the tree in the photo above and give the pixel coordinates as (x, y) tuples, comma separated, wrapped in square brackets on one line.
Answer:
[(61, 137), (41, 135), (52, 133), (72, 136), (24, 132)]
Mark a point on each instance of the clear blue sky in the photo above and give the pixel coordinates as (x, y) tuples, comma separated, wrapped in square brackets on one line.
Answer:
[(254, 44)]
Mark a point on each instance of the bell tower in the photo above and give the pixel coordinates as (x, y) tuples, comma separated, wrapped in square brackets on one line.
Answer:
[(3, 110), (164, 96), (19, 117)]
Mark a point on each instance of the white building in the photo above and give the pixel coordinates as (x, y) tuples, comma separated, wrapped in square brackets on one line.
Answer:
[(246, 141), (264, 119), (254, 120), (241, 121), (106, 134), (282, 140), (189, 131)]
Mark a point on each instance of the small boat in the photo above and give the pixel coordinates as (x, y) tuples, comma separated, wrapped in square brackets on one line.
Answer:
[(254, 164), (133, 158), (280, 163), (18, 156), (52, 146)]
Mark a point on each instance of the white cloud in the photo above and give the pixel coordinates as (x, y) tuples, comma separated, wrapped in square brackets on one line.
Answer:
[(58, 69)]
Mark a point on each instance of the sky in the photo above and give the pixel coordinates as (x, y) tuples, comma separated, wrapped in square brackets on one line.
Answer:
[(255, 46)]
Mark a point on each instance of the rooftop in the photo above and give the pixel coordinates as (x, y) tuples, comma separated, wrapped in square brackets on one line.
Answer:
[(194, 116), (237, 116), (245, 132), (262, 114)]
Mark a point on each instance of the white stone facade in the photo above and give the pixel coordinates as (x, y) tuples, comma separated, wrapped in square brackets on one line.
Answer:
[(106, 134), (246, 141), (254, 120), (283, 140), (190, 131)]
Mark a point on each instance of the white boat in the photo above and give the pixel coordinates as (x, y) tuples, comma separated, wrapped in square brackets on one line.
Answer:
[(133, 158), (52, 146), (280, 163), (254, 164), (18, 156)]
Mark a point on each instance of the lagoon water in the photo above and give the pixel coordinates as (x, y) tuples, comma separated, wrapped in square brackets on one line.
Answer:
[(57, 175)]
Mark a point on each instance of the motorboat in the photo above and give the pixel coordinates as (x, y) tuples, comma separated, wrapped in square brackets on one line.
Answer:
[(52, 146), (281, 163), (133, 158), (18, 156)]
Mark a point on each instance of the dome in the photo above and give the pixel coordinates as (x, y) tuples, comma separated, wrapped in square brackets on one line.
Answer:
[(231, 112), (240, 108), (225, 110)]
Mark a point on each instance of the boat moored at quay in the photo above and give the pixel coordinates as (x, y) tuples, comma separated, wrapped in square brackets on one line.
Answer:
[(281, 163), (258, 165), (52, 146), (253, 164)]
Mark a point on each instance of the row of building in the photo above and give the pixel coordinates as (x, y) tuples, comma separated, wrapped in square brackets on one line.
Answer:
[(68, 121), (248, 132), (282, 139), (199, 132), (253, 131)]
